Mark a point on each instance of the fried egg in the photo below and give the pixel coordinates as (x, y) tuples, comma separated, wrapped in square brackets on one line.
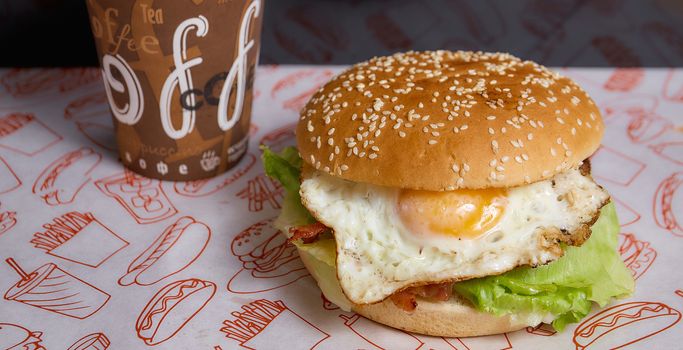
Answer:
[(389, 239)]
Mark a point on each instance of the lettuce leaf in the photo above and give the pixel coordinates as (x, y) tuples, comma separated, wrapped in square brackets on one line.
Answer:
[(285, 167), (565, 288)]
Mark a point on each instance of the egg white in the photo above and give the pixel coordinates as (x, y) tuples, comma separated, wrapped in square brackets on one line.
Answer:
[(377, 255)]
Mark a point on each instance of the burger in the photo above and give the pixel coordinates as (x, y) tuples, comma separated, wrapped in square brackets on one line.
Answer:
[(450, 194)]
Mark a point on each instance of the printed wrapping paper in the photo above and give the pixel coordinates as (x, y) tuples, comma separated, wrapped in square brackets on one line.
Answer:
[(113, 260)]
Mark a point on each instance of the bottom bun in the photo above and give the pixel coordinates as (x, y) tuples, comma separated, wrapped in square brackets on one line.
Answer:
[(452, 318)]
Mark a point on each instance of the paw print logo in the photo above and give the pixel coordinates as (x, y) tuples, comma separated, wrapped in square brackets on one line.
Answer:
[(209, 160)]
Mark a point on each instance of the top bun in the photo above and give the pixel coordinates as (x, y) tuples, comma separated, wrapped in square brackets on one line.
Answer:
[(442, 120)]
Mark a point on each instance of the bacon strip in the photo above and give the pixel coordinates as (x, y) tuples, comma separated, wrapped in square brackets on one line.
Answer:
[(307, 233), (406, 299)]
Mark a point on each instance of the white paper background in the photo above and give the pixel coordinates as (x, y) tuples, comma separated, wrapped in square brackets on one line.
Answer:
[(643, 146)]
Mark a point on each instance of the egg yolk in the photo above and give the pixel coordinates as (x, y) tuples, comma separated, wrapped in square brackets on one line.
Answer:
[(461, 213)]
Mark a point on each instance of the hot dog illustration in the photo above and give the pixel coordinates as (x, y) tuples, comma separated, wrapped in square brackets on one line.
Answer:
[(61, 181), (624, 324), (668, 204), (174, 250), (171, 308)]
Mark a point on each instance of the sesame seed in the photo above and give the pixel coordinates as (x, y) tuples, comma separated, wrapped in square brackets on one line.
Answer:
[(432, 142)]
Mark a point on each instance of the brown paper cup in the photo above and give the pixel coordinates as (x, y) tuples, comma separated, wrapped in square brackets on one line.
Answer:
[(179, 77)]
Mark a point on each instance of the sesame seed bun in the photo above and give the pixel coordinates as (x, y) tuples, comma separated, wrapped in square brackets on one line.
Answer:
[(442, 120)]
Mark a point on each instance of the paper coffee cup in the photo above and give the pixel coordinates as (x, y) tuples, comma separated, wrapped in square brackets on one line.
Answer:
[(179, 76)]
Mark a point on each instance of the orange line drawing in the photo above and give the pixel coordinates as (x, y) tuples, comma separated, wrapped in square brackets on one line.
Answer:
[(79, 238), (261, 190), (673, 86), (637, 255), (543, 329), (7, 220), (380, 336), (98, 133), (624, 324), (296, 88), (624, 79), (268, 260), (95, 341), (280, 137), (626, 214), (26, 134), (205, 187), (60, 182), (633, 105), (672, 151), (55, 290), (328, 305), (262, 323), (679, 292), (174, 250), (8, 178), (489, 342), (605, 160), (89, 106), (23, 82), (668, 197), (143, 198), (16, 337), (647, 127), (171, 308)]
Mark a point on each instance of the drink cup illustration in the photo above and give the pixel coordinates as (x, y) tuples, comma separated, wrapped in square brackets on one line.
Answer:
[(52, 289)]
